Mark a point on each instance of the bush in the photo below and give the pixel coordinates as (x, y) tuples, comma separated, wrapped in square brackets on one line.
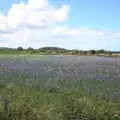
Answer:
[(20, 49), (88, 109)]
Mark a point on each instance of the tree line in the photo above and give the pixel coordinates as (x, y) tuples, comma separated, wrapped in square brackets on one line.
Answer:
[(55, 50)]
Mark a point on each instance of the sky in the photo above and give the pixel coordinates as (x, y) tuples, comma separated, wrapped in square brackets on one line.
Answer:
[(71, 24)]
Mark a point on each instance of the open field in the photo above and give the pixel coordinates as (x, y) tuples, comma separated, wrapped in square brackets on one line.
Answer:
[(46, 82), (96, 74)]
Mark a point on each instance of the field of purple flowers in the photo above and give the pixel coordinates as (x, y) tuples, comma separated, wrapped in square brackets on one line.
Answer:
[(57, 87), (96, 75)]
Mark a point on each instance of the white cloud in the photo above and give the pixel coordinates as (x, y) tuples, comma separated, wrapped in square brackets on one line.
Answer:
[(36, 24), (38, 4)]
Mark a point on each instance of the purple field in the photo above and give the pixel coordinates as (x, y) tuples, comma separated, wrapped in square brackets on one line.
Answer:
[(87, 67), (96, 75)]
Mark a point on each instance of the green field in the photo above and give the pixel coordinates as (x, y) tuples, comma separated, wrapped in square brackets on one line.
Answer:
[(34, 87)]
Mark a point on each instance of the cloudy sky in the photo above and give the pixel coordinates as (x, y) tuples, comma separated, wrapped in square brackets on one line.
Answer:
[(73, 24)]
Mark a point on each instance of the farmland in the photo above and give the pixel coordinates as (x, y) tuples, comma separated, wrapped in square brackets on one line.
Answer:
[(41, 85)]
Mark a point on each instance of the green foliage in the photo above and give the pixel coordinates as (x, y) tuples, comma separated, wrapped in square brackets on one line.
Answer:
[(39, 98), (56, 50), (85, 108), (20, 49), (30, 49), (92, 52), (28, 104)]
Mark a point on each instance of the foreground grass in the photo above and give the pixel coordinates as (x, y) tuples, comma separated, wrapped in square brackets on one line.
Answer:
[(24, 103)]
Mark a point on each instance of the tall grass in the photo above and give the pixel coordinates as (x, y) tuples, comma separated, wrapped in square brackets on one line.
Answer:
[(24, 103), (31, 95)]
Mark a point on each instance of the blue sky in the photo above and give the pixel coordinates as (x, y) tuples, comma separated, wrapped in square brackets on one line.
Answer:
[(86, 16), (91, 13)]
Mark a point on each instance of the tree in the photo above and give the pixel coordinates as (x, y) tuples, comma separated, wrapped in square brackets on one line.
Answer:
[(30, 49), (92, 52), (20, 49), (101, 51)]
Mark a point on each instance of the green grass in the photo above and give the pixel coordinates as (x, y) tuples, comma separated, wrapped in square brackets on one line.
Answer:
[(37, 97), (30, 104)]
